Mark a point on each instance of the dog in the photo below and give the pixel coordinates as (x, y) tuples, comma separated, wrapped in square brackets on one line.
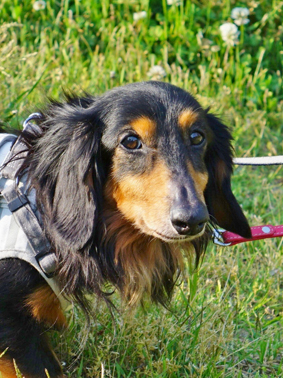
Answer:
[(123, 182)]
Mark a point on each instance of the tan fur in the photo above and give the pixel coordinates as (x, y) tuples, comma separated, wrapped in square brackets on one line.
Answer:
[(45, 307), (187, 118), (143, 199), (200, 180), (7, 369), (145, 127), (221, 171)]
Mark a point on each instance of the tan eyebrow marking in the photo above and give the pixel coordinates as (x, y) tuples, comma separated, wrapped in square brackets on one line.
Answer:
[(187, 118), (144, 126)]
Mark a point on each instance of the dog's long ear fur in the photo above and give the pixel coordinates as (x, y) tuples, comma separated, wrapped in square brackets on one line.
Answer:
[(222, 205), (66, 156), (66, 169)]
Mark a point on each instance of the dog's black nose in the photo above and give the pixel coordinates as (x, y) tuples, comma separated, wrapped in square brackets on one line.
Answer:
[(189, 221)]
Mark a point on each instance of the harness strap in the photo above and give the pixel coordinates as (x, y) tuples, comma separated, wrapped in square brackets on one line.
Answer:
[(14, 160), (19, 205)]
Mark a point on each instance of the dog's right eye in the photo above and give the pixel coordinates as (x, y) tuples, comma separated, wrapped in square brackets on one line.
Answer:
[(131, 142)]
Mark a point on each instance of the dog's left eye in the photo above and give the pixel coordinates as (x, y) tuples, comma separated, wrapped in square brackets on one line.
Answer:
[(196, 138), (131, 142)]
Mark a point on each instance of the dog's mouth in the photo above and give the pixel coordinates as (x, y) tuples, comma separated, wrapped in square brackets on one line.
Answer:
[(167, 233), (179, 238)]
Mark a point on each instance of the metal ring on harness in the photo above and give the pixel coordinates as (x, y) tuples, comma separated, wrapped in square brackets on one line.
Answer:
[(31, 117)]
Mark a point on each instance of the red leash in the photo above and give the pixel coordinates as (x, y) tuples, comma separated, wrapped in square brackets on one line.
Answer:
[(225, 238)]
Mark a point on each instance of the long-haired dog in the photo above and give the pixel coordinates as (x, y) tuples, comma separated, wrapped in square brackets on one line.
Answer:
[(123, 181)]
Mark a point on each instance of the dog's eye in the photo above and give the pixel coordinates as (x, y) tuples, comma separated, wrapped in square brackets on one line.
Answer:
[(131, 142), (196, 138)]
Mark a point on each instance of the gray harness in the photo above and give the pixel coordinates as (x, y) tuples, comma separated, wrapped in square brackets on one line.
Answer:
[(21, 234)]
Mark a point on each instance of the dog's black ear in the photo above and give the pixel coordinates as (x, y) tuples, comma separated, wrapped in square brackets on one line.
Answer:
[(68, 175), (222, 205)]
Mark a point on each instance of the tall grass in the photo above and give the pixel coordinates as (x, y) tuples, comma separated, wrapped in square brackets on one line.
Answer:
[(226, 318)]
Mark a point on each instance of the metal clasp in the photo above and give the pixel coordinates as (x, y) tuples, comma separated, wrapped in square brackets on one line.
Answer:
[(30, 118), (218, 238)]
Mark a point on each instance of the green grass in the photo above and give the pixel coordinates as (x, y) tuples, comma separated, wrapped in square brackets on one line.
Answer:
[(226, 319)]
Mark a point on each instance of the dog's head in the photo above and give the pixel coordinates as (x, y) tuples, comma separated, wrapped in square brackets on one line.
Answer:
[(127, 178), (171, 163)]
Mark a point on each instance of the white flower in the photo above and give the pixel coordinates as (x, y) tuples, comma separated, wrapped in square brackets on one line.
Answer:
[(156, 72), (229, 33), (215, 48), (39, 5), (139, 15), (174, 2), (240, 15)]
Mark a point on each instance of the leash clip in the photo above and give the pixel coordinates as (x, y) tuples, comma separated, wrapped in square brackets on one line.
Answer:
[(217, 237)]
